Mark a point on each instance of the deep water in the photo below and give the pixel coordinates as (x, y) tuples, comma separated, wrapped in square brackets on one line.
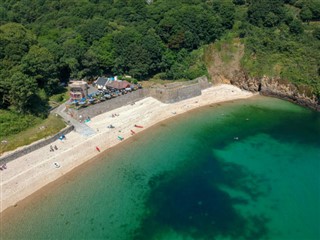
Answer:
[(239, 170)]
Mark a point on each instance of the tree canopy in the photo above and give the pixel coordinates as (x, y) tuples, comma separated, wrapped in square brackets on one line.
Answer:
[(44, 42)]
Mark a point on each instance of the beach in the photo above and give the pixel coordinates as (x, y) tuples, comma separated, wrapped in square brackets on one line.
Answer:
[(31, 172)]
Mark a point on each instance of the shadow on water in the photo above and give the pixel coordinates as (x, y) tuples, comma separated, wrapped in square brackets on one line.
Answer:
[(192, 203)]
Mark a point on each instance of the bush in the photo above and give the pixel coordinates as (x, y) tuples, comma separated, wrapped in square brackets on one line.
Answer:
[(316, 33), (296, 27), (12, 122)]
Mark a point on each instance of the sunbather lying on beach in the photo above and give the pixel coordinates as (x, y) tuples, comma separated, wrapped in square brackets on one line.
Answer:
[(3, 167)]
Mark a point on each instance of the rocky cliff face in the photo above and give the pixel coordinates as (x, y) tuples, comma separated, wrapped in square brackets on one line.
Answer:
[(276, 87), (224, 66)]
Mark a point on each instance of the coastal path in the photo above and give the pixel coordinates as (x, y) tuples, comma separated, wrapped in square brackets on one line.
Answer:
[(80, 128)]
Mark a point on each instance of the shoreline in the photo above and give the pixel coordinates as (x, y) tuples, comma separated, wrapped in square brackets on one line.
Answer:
[(31, 172)]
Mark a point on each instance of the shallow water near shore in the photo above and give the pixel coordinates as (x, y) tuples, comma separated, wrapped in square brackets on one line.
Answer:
[(246, 169)]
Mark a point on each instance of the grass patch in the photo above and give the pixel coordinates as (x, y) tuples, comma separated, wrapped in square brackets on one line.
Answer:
[(38, 129), (60, 97), (13, 123), (154, 81)]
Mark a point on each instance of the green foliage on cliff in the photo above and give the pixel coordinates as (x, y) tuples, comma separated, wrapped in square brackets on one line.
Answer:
[(289, 48)]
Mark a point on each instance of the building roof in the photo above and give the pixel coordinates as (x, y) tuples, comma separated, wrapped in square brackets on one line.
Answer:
[(78, 84), (101, 81), (119, 84)]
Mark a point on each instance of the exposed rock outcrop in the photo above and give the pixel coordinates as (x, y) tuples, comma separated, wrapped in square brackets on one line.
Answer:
[(243, 81), (277, 87), (223, 64)]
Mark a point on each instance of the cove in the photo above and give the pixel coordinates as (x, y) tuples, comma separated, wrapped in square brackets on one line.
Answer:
[(246, 169)]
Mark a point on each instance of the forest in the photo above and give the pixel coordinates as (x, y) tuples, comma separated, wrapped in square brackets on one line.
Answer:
[(45, 43)]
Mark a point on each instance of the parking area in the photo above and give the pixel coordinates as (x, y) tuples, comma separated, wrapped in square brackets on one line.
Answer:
[(96, 95)]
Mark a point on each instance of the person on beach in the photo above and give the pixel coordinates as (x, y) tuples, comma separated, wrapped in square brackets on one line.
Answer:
[(98, 149), (62, 137), (55, 147), (51, 148)]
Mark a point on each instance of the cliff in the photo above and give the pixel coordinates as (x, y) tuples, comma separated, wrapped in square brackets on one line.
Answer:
[(276, 87), (223, 64)]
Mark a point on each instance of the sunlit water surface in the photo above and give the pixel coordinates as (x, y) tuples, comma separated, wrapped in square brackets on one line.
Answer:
[(239, 170)]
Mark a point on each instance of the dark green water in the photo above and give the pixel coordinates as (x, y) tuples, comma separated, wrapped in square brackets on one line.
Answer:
[(243, 170)]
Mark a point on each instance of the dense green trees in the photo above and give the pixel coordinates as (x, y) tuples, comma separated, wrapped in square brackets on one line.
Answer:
[(15, 42), (39, 64), (268, 13), (43, 42), (22, 88), (26, 67), (316, 33), (189, 27)]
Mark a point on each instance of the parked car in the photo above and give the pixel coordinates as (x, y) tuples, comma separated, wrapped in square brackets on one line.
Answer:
[(107, 96)]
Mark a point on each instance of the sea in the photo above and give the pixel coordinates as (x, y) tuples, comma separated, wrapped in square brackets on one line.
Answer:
[(245, 169)]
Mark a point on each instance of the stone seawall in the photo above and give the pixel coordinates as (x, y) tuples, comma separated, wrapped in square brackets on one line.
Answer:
[(175, 95), (109, 105), (172, 93), (35, 146), (167, 94), (203, 82), (176, 92)]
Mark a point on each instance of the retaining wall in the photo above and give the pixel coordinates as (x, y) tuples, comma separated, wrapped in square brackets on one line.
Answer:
[(176, 92), (175, 95), (35, 146), (171, 93), (109, 105), (203, 82)]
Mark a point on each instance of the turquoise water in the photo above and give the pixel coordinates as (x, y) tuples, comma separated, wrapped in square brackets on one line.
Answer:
[(239, 170)]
